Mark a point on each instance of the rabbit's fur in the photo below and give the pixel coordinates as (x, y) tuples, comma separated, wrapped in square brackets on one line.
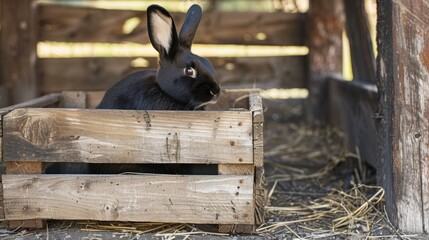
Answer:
[(169, 87)]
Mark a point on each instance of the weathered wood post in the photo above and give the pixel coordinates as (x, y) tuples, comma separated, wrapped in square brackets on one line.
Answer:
[(362, 53), (18, 49), (326, 20), (18, 71), (403, 78)]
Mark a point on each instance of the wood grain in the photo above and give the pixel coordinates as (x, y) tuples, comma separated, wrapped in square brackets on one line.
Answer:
[(154, 198), (403, 61), (43, 101), (260, 195), (95, 74), (24, 168), (235, 169), (128, 136), (76, 24), (255, 103)]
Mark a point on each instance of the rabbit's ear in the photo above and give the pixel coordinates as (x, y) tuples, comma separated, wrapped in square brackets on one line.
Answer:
[(189, 28), (162, 30)]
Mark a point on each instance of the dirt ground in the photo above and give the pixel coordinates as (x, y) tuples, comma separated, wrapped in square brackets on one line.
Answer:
[(316, 189)]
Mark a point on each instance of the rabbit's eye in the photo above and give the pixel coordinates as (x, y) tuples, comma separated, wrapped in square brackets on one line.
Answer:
[(189, 71)]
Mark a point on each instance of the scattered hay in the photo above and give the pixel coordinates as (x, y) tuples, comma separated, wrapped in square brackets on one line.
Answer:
[(312, 195)]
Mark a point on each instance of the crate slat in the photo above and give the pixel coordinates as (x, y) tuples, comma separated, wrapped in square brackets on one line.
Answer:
[(156, 198), (121, 136)]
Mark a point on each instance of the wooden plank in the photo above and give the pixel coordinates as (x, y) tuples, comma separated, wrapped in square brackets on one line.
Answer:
[(94, 74), (255, 103), (127, 136), (325, 58), (24, 168), (235, 169), (403, 27), (18, 49), (43, 101), (154, 198), (76, 24), (353, 106), (39, 102), (362, 53)]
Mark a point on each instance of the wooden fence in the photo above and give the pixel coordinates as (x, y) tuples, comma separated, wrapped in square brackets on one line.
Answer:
[(58, 23)]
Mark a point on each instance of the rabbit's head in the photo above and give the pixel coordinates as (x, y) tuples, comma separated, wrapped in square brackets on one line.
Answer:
[(182, 75)]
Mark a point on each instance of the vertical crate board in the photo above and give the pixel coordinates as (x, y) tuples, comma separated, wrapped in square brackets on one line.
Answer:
[(246, 216)]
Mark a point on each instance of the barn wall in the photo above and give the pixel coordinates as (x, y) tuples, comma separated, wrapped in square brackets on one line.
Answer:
[(92, 25)]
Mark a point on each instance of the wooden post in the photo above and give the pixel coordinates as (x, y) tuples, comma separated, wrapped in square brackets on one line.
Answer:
[(403, 73), (362, 53), (325, 57), (18, 49)]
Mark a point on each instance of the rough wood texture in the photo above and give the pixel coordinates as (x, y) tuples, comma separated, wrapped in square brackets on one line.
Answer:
[(255, 103), (235, 169), (256, 106), (24, 168), (121, 136), (94, 74), (18, 49), (1, 203), (403, 73), (353, 108), (259, 195), (362, 53), (74, 24), (44, 101), (325, 58), (153, 198)]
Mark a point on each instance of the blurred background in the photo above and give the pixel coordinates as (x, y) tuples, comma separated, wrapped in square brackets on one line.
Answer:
[(89, 44)]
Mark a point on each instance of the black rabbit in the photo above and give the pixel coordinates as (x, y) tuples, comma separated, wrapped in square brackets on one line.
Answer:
[(184, 81)]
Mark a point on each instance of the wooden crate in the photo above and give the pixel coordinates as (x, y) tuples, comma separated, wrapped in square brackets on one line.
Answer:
[(66, 129)]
